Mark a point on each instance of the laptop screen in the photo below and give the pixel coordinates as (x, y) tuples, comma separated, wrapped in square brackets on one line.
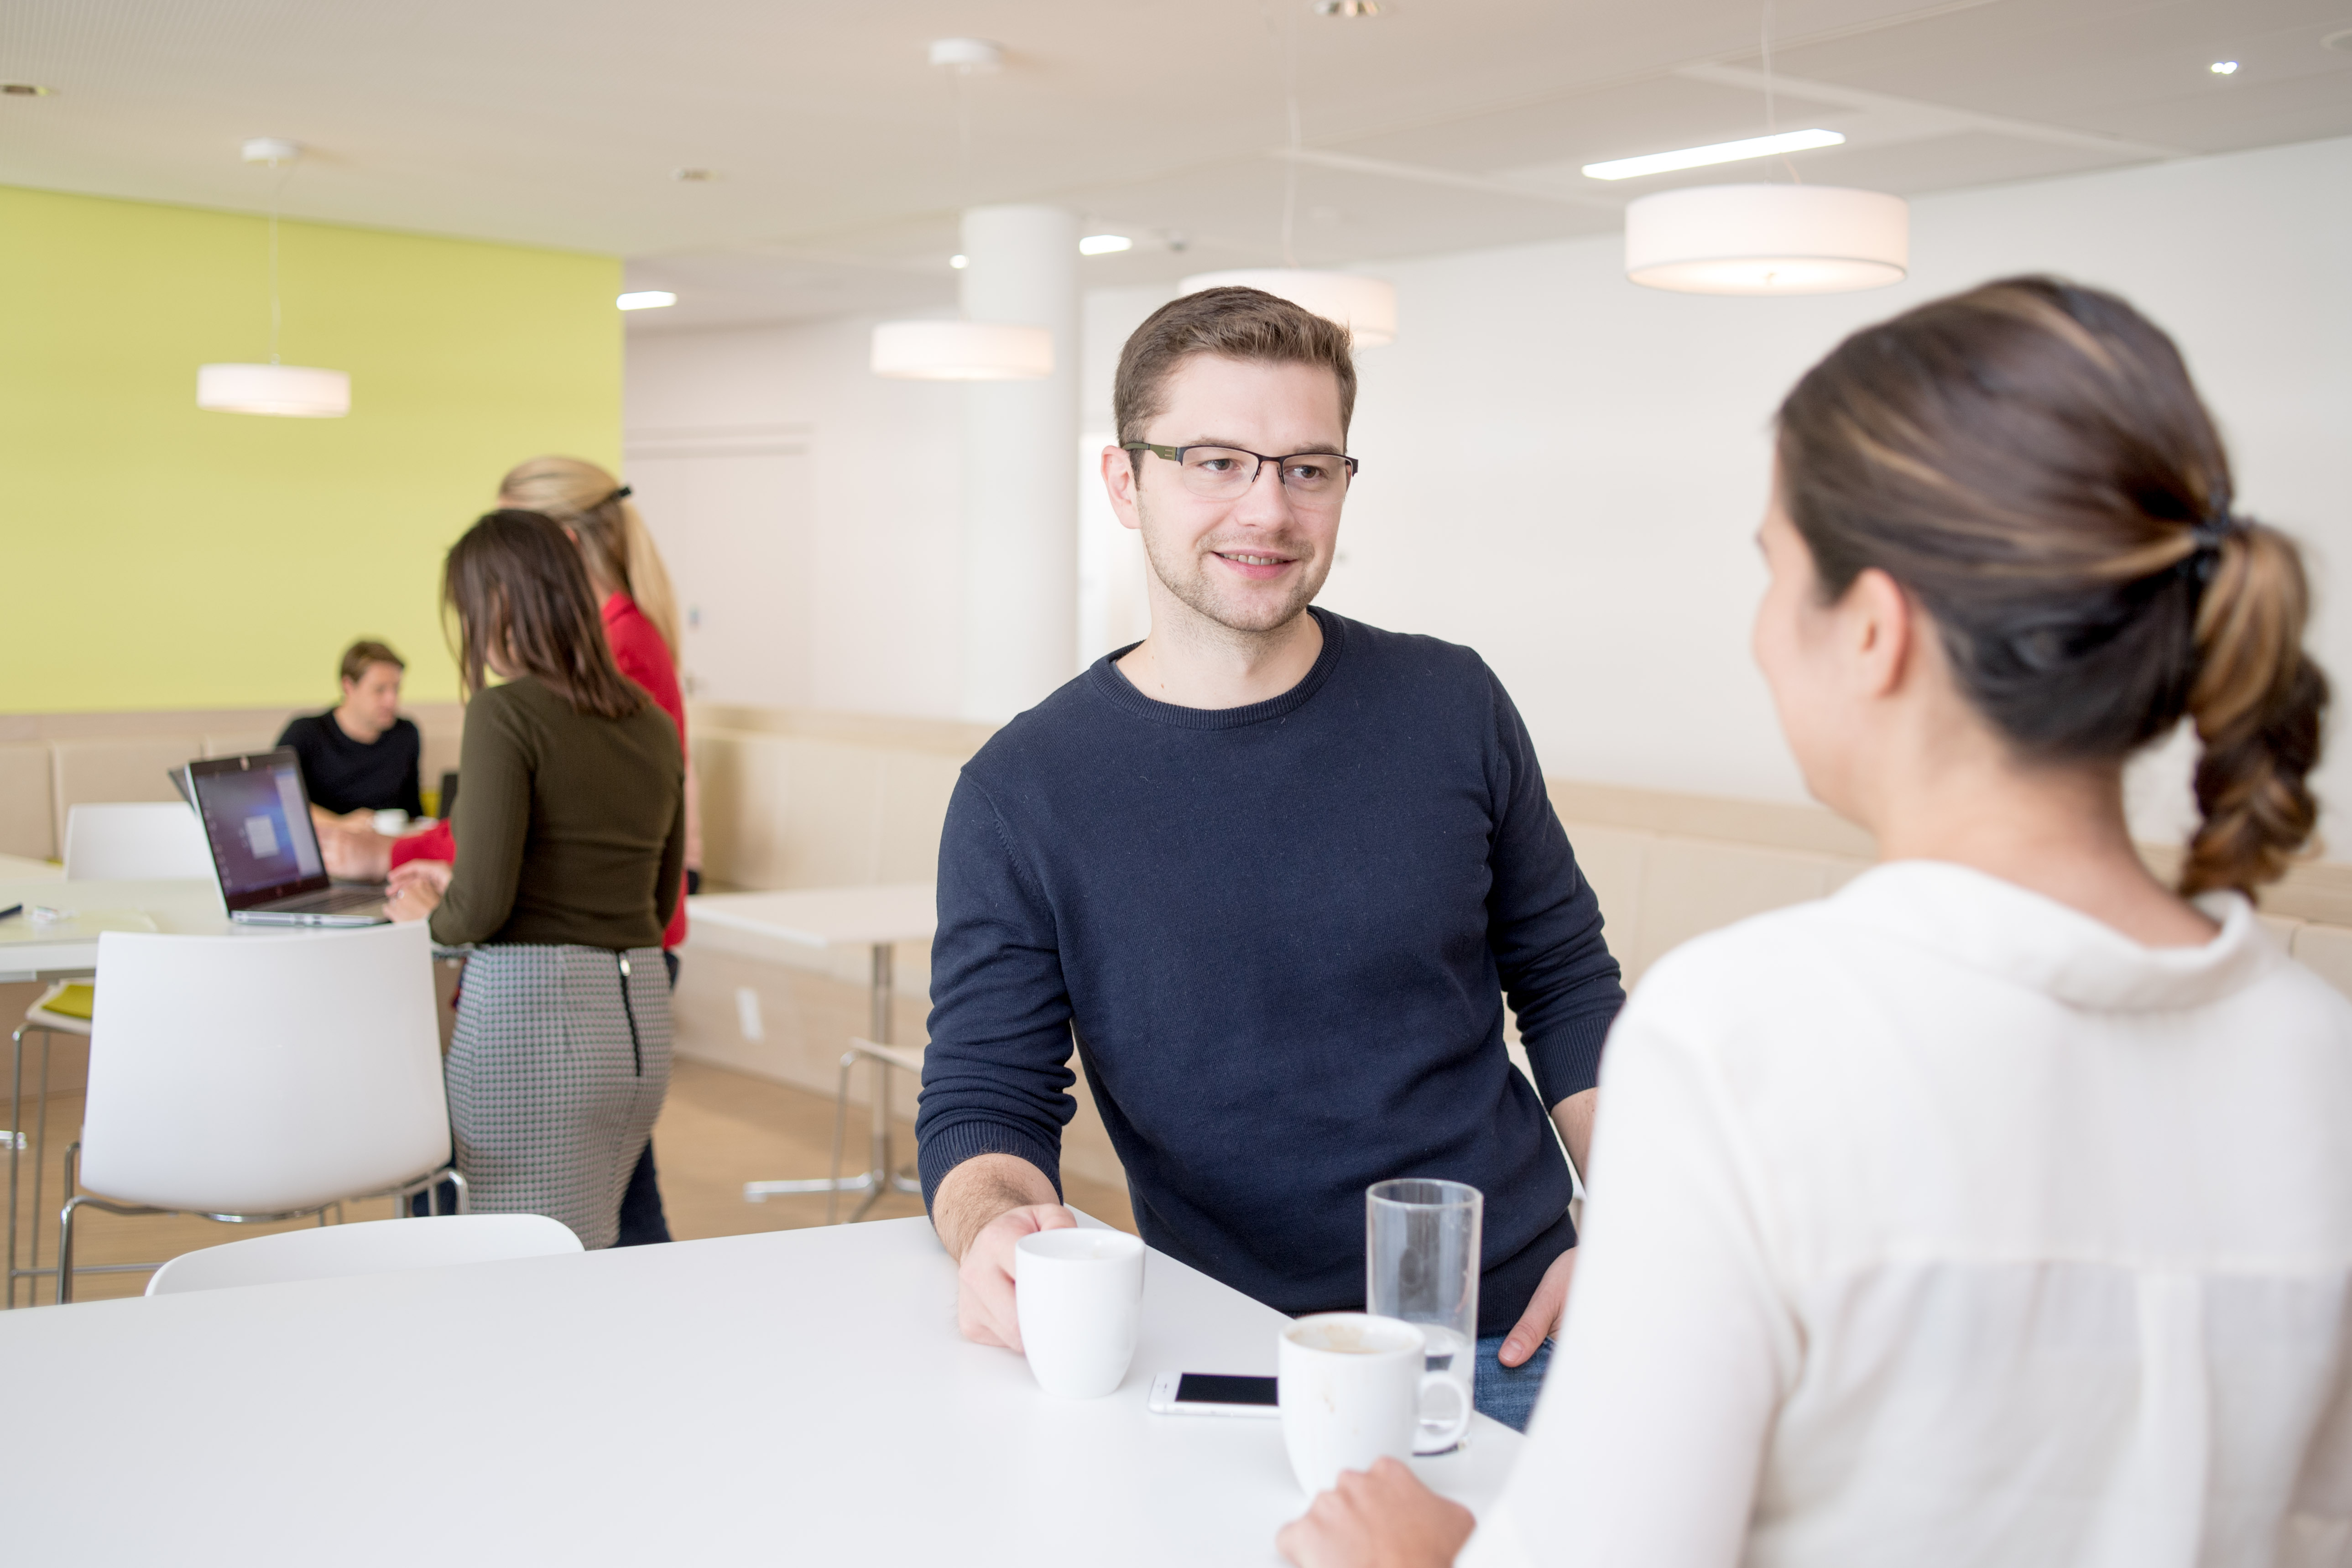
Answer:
[(257, 820)]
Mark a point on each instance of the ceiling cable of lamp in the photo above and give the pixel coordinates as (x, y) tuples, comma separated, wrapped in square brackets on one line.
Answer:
[(1767, 239), (962, 350), (1367, 306), (288, 390)]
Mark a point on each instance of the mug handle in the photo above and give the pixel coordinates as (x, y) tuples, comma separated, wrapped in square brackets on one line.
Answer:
[(1460, 1426)]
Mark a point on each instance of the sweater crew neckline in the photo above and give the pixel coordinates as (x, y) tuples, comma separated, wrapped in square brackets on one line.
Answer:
[(1105, 677)]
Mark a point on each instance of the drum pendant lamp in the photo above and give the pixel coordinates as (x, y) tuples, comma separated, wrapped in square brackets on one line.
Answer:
[(288, 390), (1767, 239), (964, 350)]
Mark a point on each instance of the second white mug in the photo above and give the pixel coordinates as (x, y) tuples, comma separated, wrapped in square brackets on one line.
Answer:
[(1351, 1387)]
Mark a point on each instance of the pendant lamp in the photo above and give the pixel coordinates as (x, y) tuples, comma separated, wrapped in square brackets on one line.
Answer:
[(1767, 239), (288, 390), (961, 349), (1365, 306)]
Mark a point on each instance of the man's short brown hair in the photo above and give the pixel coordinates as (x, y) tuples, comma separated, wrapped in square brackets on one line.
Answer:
[(361, 654), (1238, 323)]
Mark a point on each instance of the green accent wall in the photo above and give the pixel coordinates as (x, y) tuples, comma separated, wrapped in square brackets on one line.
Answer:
[(155, 556)]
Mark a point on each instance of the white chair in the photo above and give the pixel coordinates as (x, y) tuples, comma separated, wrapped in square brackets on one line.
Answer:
[(141, 841), (137, 841), (258, 1077), (376, 1246)]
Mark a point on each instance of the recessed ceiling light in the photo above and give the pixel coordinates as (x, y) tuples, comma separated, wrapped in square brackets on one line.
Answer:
[(1718, 153), (270, 150), (27, 90), (958, 262), (694, 176), (646, 300), (1348, 7), (2222, 67), (1103, 244)]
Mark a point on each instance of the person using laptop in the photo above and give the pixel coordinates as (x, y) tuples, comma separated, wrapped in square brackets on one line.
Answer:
[(570, 838), (1273, 873), (361, 756)]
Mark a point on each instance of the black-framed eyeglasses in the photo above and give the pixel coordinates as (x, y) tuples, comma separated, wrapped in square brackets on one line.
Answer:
[(1226, 473)]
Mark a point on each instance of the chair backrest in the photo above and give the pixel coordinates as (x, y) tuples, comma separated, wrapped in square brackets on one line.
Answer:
[(376, 1246), (141, 841), (261, 1073)]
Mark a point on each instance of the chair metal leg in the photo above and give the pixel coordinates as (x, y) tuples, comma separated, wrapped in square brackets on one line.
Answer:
[(65, 1225), (17, 1148), (840, 1127)]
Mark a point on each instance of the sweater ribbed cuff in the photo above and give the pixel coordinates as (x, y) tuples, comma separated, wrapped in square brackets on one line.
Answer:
[(945, 1148), (1568, 1062)]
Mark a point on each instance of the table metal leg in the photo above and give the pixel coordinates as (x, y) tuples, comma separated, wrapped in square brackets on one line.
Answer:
[(879, 1177)]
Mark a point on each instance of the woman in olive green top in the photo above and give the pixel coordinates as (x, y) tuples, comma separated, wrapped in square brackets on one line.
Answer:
[(571, 833)]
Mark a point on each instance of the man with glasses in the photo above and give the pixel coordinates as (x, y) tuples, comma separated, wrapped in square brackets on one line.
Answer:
[(1273, 872)]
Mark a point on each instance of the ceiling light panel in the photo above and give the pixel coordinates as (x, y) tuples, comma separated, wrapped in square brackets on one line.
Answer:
[(646, 300), (1103, 244), (1718, 153)]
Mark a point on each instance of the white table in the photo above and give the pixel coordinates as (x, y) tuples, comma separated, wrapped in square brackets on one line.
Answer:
[(69, 951), (797, 1397), (753, 924)]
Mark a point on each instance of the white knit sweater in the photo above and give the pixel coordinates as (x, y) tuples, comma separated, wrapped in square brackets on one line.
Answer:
[(1938, 1223)]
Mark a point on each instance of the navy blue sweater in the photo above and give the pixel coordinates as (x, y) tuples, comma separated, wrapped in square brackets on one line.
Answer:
[(1282, 935)]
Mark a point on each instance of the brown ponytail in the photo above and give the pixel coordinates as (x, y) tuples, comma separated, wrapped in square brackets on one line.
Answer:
[(2257, 703), (2030, 461)]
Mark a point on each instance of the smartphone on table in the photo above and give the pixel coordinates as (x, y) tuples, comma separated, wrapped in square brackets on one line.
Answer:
[(1213, 1393)]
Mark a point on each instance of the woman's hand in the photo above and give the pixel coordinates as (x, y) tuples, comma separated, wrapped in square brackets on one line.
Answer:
[(433, 874), (1382, 1517), (417, 889)]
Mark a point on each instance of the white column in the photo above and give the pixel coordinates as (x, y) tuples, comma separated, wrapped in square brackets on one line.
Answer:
[(1019, 509)]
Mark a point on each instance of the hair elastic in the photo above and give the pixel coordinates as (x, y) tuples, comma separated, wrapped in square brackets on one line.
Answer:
[(623, 493)]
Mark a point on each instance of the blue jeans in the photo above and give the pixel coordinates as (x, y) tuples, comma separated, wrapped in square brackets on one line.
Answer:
[(1507, 1393)]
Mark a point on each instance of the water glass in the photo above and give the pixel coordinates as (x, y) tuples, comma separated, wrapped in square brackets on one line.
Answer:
[(1420, 1264)]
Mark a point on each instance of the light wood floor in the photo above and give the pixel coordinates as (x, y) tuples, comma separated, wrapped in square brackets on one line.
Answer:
[(718, 1130)]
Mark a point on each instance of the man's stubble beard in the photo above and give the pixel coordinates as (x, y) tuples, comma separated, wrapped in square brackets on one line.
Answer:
[(1185, 575)]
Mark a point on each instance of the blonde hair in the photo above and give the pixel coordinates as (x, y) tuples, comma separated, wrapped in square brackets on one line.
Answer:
[(614, 540)]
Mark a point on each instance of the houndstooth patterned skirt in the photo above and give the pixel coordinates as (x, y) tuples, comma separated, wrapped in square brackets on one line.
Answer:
[(556, 1073)]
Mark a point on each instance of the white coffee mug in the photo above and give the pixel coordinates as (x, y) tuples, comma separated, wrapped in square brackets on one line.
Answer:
[(1351, 1387), (1079, 1293)]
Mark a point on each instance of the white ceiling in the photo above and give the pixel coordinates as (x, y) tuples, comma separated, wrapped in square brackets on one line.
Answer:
[(1440, 125)]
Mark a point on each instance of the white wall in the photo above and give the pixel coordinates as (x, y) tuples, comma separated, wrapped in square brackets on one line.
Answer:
[(1562, 469), (809, 509)]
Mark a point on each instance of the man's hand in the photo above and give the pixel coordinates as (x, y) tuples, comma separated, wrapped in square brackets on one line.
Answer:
[(982, 1208), (986, 1309), (1546, 1309), (1381, 1518)]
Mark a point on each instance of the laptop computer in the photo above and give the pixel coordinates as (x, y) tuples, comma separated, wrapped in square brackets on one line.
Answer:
[(257, 818)]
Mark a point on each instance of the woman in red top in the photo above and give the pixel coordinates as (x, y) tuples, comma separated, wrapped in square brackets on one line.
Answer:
[(640, 619)]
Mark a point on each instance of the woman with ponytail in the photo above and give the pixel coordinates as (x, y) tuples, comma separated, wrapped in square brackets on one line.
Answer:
[(1997, 1209), (640, 620)]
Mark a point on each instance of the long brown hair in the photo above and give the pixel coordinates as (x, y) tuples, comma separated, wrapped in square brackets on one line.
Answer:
[(2030, 461), (517, 588), (592, 503)]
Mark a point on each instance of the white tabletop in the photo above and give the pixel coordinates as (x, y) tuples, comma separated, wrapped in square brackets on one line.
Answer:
[(29, 951), (798, 1396), (819, 917)]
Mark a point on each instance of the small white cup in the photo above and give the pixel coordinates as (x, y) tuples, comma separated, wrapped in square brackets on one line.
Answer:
[(1081, 1296), (391, 821), (1351, 1387)]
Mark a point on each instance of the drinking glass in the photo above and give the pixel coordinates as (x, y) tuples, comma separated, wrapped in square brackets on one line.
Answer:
[(1420, 1264)]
